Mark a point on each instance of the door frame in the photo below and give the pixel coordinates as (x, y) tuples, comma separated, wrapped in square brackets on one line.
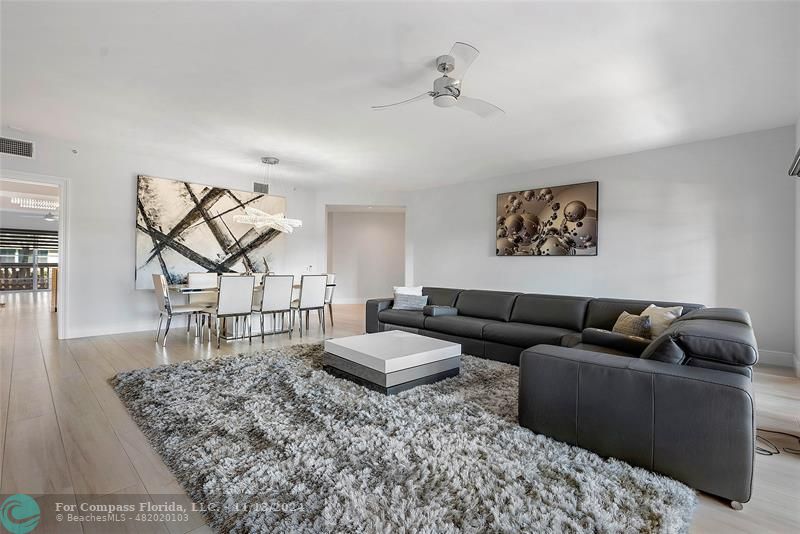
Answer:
[(63, 236)]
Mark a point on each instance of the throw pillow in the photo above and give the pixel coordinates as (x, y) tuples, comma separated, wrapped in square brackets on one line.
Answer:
[(632, 325), (409, 290), (409, 302), (661, 318)]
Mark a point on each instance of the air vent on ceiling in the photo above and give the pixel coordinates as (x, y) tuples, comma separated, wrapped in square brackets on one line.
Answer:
[(261, 188), (15, 147)]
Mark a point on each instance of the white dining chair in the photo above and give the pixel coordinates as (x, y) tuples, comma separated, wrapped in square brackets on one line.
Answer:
[(234, 300), (167, 309), (312, 297), (276, 298), (209, 300), (330, 285)]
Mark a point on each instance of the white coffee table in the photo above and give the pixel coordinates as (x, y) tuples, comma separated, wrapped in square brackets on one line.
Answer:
[(392, 361)]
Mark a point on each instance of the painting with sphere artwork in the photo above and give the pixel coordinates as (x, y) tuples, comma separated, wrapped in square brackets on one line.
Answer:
[(548, 221)]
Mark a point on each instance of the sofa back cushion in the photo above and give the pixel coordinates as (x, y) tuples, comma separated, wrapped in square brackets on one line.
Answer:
[(441, 296), (550, 310), (603, 313), (494, 305)]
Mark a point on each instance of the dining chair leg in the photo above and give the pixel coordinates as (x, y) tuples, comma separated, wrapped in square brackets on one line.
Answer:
[(322, 314), (319, 315), (218, 332), (188, 322), (307, 315), (291, 324), (300, 322), (262, 326), (250, 328), (158, 331), (330, 311), (166, 331)]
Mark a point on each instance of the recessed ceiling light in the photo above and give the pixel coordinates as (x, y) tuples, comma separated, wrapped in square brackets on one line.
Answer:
[(35, 203)]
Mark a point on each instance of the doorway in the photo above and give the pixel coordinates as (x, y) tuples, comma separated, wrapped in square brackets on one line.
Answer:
[(32, 238), (366, 250)]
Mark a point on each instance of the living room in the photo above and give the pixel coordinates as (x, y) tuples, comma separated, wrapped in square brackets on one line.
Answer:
[(320, 159)]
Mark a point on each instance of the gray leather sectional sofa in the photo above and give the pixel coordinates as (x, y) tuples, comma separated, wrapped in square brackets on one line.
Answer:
[(680, 404)]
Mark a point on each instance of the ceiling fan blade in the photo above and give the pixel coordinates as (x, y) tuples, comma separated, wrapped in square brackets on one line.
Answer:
[(464, 54), (418, 97), (478, 106)]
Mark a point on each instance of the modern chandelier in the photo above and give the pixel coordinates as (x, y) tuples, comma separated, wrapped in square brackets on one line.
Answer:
[(261, 219)]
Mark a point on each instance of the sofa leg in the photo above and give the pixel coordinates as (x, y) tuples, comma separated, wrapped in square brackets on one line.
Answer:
[(736, 505)]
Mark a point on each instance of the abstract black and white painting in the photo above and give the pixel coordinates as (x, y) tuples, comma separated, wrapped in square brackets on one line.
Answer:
[(548, 221), (183, 227)]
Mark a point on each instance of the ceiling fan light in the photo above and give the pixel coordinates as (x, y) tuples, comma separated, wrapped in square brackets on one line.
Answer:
[(444, 101)]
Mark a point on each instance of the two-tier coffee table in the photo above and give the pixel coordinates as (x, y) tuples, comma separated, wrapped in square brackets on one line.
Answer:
[(392, 361)]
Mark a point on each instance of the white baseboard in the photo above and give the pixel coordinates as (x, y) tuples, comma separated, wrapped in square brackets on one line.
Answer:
[(74, 333), (776, 358)]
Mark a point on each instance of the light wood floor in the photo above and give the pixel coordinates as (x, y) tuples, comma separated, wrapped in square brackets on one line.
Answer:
[(64, 431)]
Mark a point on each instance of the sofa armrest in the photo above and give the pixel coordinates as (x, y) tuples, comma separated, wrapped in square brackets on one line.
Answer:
[(692, 424), (614, 340), (375, 306)]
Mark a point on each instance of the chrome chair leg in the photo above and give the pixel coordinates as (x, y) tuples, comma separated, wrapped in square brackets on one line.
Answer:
[(166, 331), (322, 314), (330, 312), (249, 320), (158, 331), (300, 322), (261, 316)]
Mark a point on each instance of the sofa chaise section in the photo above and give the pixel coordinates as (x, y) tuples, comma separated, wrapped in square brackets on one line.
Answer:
[(664, 411)]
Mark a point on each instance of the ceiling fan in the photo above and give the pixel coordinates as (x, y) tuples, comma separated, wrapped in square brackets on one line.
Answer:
[(447, 89), (49, 216)]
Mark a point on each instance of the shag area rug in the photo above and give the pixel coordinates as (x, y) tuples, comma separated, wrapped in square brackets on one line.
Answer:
[(314, 453)]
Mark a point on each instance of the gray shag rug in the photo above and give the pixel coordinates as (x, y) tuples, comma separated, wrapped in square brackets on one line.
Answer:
[(290, 448)]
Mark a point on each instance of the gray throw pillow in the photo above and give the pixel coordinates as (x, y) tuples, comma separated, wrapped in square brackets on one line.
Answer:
[(409, 302), (632, 325)]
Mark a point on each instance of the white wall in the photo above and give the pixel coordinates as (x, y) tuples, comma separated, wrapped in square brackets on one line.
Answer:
[(102, 188), (710, 222), (367, 253)]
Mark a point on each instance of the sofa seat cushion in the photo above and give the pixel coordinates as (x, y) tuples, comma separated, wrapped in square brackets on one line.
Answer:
[(413, 318), (458, 325), (524, 335)]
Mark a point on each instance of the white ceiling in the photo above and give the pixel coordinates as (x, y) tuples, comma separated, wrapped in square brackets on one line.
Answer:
[(225, 83)]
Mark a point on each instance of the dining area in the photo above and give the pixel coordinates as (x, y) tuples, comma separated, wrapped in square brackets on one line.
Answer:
[(233, 306)]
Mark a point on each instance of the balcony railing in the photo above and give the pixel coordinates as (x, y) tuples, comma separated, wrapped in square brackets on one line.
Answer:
[(25, 276)]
